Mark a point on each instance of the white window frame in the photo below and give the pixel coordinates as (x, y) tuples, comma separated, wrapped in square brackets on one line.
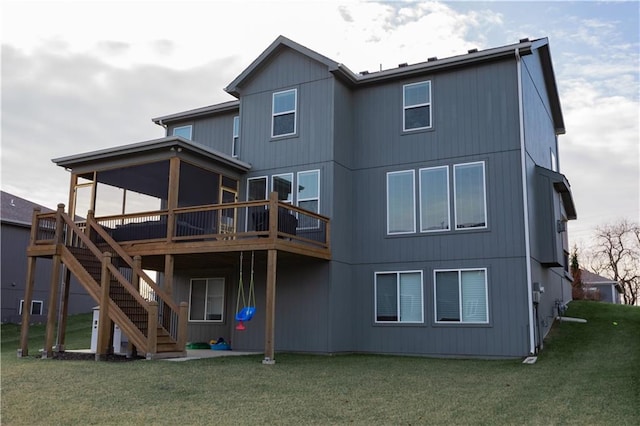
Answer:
[(448, 228), (413, 202), (554, 161), (290, 200), (188, 126), (455, 196), (206, 297), (405, 107), (33, 302), (460, 307), (294, 111), (236, 136), (298, 199), (398, 297)]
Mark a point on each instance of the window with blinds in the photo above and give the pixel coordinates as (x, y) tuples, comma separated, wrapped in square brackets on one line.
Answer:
[(461, 296), (399, 297)]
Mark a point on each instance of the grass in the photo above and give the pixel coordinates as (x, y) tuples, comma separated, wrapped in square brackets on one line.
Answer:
[(587, 374)]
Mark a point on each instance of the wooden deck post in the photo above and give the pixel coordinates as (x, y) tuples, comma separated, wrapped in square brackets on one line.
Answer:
[(182, 325), (167, 283), (273, 215), (152, 330), (104, 322), (23, 351), (270, 309), (64, 311), (52, 309), (172, 196)]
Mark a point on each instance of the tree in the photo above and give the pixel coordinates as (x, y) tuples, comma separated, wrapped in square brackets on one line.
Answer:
[(576, 287), (616, 255)]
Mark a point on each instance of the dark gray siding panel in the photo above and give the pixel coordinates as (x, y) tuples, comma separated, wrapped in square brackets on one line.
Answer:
[(15, 240), (474, 111), (343, 116)]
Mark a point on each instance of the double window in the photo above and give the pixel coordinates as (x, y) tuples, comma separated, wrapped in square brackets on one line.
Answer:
[(206, 299), (416, 100), (434, 204), (283, 113), (461, 296), (183, 131), (36, 307), (398, 297)]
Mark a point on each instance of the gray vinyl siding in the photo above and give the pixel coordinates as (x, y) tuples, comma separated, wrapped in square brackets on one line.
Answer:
[(354, 137)]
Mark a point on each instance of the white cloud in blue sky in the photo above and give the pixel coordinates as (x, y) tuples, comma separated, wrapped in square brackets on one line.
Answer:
[(79, 76)]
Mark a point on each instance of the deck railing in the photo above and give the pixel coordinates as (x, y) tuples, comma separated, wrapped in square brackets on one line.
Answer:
[(233, 221)]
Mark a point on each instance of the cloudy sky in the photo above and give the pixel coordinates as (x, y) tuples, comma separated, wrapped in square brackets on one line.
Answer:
[(86, 75)]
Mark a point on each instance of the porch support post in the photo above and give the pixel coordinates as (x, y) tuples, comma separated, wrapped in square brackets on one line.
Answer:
[(270, 309), (182, 325), (168, 274), (64, 311), (26, 306), (52, 307), (104, 322), (273, 215), (172, 196)]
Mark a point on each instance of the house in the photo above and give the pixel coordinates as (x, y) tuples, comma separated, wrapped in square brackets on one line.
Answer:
[(596, 287), (15, 218), (418, 210)]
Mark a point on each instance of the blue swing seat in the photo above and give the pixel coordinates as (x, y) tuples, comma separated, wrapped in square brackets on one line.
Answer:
[(246, 313)]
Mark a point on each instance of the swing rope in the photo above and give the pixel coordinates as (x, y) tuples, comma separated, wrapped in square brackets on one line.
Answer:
[(240, 288), (247, 311)]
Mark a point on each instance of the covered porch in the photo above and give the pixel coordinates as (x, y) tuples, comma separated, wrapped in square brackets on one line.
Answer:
[(169, 205)]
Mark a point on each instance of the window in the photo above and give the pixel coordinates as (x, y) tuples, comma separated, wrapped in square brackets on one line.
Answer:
[(183, 131), (417, 106), (284, 113), (257, 188), (36, 307), (401, 202), (206, 301), (469, 188), (434, 199), (308, 197), (461, 296), (398, 296), (236, 136), (283, 185)]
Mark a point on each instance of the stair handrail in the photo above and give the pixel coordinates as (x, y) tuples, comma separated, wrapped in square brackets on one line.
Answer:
[(166, 298), (96, 252)]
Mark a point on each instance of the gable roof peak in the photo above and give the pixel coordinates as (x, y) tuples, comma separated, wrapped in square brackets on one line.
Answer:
[(278, 44)]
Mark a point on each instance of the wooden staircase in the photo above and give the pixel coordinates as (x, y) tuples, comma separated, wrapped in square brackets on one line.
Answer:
[(155, 325)]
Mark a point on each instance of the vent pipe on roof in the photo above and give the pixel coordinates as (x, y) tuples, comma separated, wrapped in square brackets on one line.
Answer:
[(364, 72), (402, 65), (524, 40), (474, 50), (433, 58)]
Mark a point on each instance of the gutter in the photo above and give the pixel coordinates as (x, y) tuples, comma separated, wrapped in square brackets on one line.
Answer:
[(525, 204)]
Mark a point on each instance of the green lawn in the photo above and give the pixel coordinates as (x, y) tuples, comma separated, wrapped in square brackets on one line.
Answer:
[(588, 374)]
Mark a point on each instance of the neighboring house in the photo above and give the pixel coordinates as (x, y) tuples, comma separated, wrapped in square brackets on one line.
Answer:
[(596, 287), (15, 216), (418, 210)]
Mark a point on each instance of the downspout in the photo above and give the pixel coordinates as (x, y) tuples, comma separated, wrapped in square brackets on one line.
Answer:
[(525, 205)]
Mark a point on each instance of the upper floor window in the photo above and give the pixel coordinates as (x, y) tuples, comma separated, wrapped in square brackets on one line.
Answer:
[(401, 203), (308, 197), (434, 206), (283, 185), (284, 113), (398, 296), (461, 296), (434, 199), (236, 136), (206, 301), (183, 131), (416, 106), (470, 199)]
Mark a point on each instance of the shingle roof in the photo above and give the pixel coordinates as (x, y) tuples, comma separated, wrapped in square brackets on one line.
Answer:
[(16, 210)]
